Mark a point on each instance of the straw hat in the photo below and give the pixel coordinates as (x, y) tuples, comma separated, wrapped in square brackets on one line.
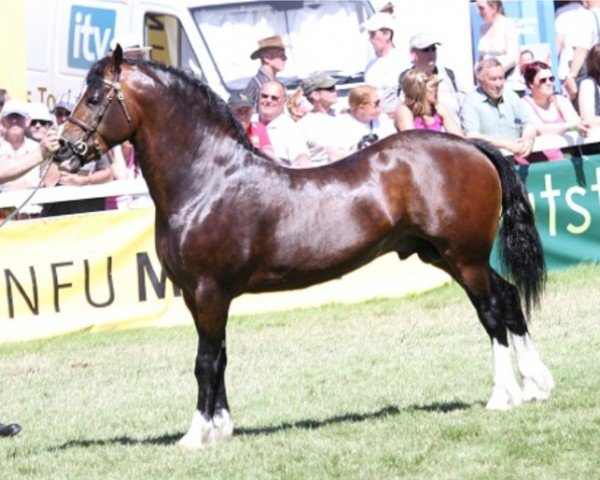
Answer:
[(270, 42)]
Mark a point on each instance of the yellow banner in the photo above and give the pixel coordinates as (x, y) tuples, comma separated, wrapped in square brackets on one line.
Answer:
[(78, 272), (100, 270)]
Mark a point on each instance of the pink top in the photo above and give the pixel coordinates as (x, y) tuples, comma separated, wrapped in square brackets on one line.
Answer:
[(436, 126)]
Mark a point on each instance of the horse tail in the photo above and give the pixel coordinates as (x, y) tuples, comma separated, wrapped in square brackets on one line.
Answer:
[(520, 246)]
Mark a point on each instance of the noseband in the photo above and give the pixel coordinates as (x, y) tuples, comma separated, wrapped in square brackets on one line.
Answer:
[(80, 147)]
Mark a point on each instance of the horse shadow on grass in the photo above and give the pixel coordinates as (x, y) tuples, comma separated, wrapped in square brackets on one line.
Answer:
[(309, 424)]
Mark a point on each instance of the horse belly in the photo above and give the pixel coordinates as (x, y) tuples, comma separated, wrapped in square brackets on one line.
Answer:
[(323, 253)]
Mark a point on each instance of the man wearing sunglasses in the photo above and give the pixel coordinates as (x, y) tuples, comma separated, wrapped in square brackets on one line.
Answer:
[(423, 51), (15, 120), (40, 121), (320, 126), (286, 137)]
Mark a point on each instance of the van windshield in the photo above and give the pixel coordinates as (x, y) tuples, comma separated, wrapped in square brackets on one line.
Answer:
[(321, 36)]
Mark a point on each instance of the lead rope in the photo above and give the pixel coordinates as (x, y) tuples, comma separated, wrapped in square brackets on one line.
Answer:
[(26, 201)]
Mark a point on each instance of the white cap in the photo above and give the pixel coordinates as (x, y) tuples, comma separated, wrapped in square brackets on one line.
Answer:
[(379, 20), (39, 111), (422, 40), (14, 105)]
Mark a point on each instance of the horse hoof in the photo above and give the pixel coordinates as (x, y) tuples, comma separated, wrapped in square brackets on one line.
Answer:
[(188, 446), (538, 384), (504, 398), (537, 390), (204, 432), (194, 442), (199, 435), (223, 425)]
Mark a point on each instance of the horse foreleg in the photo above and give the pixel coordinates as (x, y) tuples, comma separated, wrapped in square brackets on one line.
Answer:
[(222, 420), (211, 420)]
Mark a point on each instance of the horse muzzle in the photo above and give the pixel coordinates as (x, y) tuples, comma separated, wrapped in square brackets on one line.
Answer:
[(72, 152), (77, 153)]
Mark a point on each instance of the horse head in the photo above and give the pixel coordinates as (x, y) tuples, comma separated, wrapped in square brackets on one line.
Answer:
[(104, 115)]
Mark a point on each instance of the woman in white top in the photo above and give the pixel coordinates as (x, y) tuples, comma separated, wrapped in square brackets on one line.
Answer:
[(552, 114), (365, 123), (498, 37)]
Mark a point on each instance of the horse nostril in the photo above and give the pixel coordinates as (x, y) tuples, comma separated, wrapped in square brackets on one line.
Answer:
[(64, 151), (74, 164)]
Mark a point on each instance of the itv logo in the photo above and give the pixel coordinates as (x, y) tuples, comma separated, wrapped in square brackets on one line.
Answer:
[(90, 33)]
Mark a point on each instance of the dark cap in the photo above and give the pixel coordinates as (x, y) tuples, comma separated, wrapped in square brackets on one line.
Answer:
[(64, 101), (239, 99), (316, 81)]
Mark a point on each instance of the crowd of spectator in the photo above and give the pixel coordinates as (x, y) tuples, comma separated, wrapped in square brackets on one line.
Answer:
[(517, 97), (27, 130)]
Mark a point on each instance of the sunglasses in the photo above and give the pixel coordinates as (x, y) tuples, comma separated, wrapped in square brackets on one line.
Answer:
[(429, 49), (42, 123), (266, 96), (328, 89), (547, 80)]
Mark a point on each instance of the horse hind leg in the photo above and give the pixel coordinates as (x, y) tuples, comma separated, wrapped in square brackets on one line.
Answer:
[(480, 285), (536, 377)]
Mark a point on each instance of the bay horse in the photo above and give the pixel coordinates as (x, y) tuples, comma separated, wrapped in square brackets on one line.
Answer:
[(230, 221)]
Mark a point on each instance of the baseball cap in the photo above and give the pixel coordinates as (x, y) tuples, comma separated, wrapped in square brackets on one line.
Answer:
[(379, 20), (316, 81), (39, 111), (15, 106), (239, 99), (64, 101), (422, 40)]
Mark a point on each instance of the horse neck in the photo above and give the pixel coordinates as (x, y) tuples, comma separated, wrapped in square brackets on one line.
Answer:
[(185, 149)]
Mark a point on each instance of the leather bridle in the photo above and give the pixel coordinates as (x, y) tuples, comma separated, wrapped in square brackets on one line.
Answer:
[(80, 147)]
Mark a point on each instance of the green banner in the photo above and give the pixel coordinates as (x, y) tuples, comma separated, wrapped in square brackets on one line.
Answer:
[(566, 198)]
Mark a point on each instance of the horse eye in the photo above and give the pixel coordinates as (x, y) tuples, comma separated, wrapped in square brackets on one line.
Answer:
[(93, 101)]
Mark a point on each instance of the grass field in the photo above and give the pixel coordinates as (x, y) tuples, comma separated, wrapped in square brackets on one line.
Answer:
[(390, 388)]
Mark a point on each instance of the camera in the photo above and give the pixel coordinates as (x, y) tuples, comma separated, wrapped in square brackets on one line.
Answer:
[(367, 140)]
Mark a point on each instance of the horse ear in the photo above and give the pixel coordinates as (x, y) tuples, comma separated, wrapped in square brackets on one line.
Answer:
[(117, 56)]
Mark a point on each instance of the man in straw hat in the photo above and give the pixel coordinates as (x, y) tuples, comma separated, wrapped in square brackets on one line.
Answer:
[(271, 52)]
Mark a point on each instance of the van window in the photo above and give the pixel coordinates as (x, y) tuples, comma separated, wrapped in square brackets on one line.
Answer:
[(321, 35), (170, 44)]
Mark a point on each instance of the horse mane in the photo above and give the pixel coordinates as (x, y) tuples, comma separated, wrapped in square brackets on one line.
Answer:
[(217, 108)]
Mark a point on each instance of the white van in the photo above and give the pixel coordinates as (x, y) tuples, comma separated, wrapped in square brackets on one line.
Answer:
[(212, 40)]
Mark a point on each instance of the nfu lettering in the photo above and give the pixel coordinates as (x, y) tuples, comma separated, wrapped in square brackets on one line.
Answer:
[(91, 32)]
